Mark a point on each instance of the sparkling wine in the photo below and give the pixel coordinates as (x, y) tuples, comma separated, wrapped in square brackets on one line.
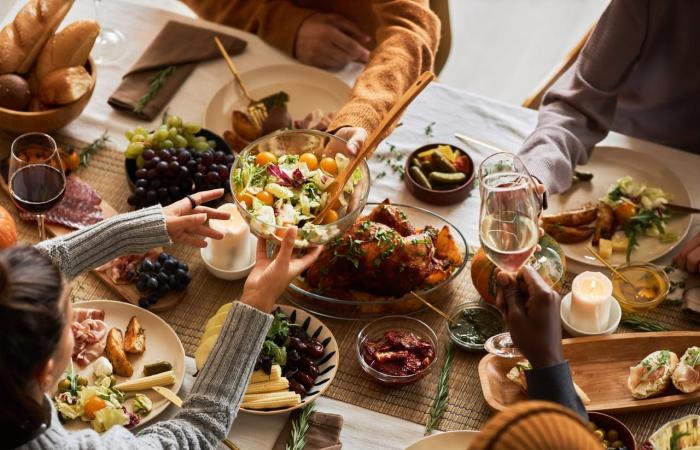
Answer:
[(37, 188), (509, 238)]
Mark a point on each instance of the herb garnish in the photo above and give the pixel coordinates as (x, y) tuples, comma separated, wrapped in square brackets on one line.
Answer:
[(155, 84), (639, 323), (442, 392), (676, 438), (429, 129), (88, 151), (693, 357), (297, 439)]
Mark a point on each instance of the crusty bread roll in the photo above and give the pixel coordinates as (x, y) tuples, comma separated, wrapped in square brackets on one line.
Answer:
[(22, 40), (70, 47), (64, 86)]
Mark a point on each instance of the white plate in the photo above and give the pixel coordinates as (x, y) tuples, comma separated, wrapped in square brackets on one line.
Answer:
[(162, 344), (607, 165), (309, 89), (451, 440)]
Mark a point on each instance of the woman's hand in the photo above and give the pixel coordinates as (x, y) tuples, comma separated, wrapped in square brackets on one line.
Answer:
[(270, 277), (330, 41), (688, 258), (532, 313), (187, 224), (355, 136)]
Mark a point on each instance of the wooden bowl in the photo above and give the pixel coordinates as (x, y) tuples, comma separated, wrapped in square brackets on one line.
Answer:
[(609, 422), (52, 119), (438, 196)]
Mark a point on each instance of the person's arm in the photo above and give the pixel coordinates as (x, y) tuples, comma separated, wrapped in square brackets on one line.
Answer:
[(275, 21), (579, 109), (554, 384), (407, 39)]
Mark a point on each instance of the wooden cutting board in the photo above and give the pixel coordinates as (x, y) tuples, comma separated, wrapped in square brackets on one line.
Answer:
[(600, 366)]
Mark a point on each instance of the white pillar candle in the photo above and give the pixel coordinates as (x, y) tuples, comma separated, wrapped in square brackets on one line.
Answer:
[(233, 251), (590, 302)]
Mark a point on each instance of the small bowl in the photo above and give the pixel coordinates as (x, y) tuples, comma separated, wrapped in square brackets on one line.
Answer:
[(438, 196), (51, 119), (377, 328), (634, 272), (474, 306), (229, 274), (613, 323), (607, 423)]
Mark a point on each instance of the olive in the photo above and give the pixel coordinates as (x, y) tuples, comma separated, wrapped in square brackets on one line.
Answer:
[(112, 381), (308, 367), (304, 379), (612, 435), (64, 385), (297, 344), (290, 372), (617, 444), (314, 348), (82, 381), (606, 444), (592, 426), (600, 434), (293, 356), (297, 387)]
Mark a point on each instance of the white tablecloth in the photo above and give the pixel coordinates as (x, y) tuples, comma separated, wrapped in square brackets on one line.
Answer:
[(452, 111)]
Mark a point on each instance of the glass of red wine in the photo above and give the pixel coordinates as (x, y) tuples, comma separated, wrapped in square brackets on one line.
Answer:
[(508, 223), (36, 179)]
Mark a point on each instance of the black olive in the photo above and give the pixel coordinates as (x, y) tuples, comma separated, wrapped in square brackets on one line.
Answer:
[(304, 363), (297, 387), (297, 344), (304, 379), (289, 372), (293, 355), (314, 348), (266, 365)]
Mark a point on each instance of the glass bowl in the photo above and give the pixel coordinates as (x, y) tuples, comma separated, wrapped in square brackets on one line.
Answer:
[(355, 305), (482, 307), (650, 280), (297, 142), (376, 330)]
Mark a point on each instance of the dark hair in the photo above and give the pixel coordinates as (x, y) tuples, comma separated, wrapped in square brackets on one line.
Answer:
[(32, 322)]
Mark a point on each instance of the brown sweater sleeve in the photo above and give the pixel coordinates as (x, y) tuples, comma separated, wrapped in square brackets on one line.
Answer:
[(407, 38), (275, 21)]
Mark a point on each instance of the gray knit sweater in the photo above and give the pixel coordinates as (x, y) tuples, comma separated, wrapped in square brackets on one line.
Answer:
[(209, 410)]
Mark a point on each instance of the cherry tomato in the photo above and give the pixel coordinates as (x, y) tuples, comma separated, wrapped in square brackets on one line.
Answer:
[(266, 198), (263, 158), (331, 216), (70, 160), (246, 198), (329, 166), (624, 211), (310, 160), (92, 406)]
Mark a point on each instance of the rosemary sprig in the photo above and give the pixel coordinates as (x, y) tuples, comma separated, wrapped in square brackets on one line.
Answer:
[(154, 85), (639, 323), (297, 439), (87, 152), (442, 392)]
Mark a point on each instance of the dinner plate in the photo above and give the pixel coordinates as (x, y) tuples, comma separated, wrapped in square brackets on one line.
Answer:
[(451, 440), (309, 89), (162, 344), (607, 165)]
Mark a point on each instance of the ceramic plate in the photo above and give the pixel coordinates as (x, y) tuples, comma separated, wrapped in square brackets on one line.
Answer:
[(608, 164), (309, 89), (451, 440), (162, 344)]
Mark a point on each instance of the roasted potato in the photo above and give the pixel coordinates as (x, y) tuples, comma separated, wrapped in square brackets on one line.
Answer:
[(446, 247), (567, 235), (605, 223), (244, 126), (234, 141), (115, 353), (135, 338), (573, 218)]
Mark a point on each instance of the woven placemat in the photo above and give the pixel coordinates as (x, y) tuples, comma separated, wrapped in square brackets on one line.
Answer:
[(466, 409)]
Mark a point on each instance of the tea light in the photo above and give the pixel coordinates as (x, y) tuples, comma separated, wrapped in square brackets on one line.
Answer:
[(233, 251), (590, 302)]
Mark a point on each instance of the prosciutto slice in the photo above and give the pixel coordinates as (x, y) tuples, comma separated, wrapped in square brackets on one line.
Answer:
[(89, 334)]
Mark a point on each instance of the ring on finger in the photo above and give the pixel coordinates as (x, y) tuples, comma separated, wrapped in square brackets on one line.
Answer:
[(193, 203)]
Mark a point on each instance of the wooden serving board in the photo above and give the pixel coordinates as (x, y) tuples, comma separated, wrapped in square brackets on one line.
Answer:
[(600, 366)]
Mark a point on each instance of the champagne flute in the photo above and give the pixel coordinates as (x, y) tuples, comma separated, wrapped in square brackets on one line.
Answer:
[(110, 44), (36, 179), (508, 229)]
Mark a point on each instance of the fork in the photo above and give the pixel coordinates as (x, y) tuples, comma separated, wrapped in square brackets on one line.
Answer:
[(256, 108)]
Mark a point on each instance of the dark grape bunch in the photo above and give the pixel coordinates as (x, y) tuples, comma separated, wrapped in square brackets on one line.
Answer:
[(155, 279), (169, 175)]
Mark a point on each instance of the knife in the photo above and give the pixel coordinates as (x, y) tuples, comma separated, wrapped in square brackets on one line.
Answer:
[(681, 208)]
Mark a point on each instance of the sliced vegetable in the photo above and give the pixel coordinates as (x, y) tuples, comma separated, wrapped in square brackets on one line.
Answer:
[(139, 384), (157, 367)]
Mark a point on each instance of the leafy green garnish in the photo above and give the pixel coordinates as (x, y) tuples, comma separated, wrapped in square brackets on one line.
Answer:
[(279, 327), (676, 438), (278, 99), (693, 359), (274, 351)]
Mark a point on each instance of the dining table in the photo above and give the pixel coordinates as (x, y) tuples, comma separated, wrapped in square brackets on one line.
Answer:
[(434, 117)]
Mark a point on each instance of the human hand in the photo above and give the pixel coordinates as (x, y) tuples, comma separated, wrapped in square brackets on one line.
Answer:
[(187, 224), (330, 41), (270, 277), (355, 137), (532, 314), (688, 258)]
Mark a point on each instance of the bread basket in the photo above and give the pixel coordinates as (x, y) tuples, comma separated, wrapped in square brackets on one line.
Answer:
[(51, 119)]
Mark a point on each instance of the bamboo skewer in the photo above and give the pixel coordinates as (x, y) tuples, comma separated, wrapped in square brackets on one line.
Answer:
[(608, 265), (430, 305), (471, 140)]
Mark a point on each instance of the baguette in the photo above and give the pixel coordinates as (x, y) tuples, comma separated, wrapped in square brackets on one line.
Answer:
[(70, 47), (64, 86), (22, 40)]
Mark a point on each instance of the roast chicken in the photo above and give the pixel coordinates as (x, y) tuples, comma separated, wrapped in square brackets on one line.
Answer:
[(384, 254)]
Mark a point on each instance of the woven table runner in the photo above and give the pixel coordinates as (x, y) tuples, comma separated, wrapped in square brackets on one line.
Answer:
[(466, 408)]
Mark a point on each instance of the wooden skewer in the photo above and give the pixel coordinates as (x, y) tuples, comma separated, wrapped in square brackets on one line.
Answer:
[(608, 265), (468, 139), (377, 135), (430, 305)]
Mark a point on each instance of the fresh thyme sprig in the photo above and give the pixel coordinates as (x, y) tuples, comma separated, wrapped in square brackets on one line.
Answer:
[(639, 323), (154, 86), (297, 439), (94, 147), (442, 392), (429, 129)]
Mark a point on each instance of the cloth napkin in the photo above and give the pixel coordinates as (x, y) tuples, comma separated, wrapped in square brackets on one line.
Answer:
[(691, 297), (179, 45), (323, 432)]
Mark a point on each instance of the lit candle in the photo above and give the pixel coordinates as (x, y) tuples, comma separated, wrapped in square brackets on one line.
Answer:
[(233, 251), (590, 302)]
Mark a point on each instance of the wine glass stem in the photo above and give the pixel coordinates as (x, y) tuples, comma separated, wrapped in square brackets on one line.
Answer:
[(97, 11), (42, 229)]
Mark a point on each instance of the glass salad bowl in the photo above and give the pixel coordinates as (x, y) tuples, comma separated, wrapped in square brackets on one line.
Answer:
[(358, 305), (282, 180)]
